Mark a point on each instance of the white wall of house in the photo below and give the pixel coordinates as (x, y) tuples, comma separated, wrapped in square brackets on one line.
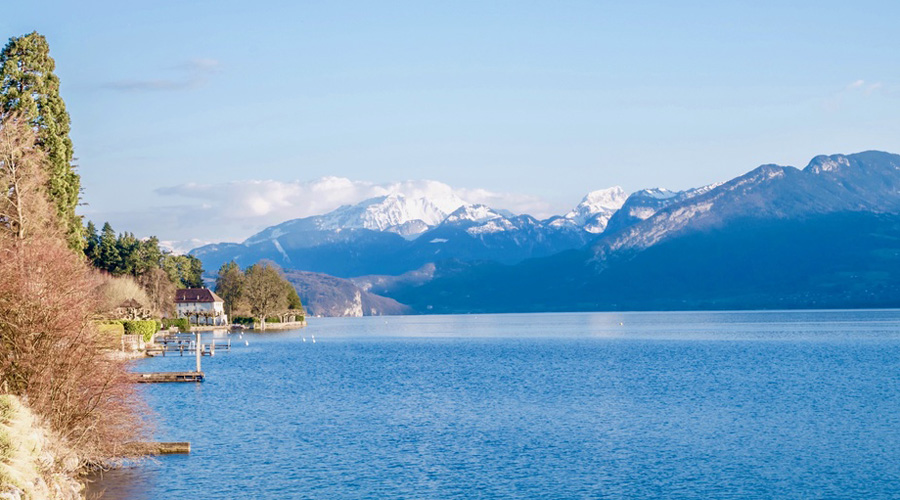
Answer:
[(190, 310)]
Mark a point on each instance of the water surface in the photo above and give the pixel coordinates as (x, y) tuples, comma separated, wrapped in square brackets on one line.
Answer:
[(607, 405)]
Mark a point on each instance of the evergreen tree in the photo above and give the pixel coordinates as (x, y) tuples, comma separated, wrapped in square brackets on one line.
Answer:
[(148, 256), (92, 243), (109, 252), (128, 248), (293, 299), (29, 86)]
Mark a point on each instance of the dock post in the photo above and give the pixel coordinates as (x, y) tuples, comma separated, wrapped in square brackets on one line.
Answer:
[(212, 347), (198, 351)]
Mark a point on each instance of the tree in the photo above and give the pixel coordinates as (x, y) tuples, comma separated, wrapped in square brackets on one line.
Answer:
[(23, 202), (264, 291), (109, 251), (293, 300), (186, 271), (29, 86), (92, 244), (229, 285), (160, 289)]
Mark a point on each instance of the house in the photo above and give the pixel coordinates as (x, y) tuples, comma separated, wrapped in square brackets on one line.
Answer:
[(201, 306)]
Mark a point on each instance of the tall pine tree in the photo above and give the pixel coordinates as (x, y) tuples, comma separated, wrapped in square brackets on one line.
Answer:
[(29, 86)]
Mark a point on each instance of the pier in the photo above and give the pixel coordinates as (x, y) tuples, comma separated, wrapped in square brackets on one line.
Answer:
[(158, 377), (151, 448), (180, 344)]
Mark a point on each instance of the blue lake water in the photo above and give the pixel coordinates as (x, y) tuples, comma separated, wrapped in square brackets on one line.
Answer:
[(608, 405)]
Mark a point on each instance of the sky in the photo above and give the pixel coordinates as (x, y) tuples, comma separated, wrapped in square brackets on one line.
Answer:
[(201, 121)]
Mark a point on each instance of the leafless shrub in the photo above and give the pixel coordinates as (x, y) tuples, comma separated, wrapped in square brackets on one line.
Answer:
[(112, 291), (49, 350)]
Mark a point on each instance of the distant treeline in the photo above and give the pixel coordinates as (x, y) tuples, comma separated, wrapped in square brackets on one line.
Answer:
[(158, 272), (124, 254)]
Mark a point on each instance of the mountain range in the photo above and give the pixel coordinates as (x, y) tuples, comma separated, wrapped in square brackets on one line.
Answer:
[(824, 236)]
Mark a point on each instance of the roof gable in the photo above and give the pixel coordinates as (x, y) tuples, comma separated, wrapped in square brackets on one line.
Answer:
[(190, 295)]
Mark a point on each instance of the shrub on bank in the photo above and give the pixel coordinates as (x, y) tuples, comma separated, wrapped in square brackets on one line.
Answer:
[(243, 320), (182, 324), (144, 328), (111, 329)]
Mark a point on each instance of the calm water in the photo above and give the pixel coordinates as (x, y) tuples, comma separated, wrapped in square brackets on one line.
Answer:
[(663, 405)]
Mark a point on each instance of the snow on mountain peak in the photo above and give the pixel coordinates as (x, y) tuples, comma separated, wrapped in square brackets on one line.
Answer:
[(384, 212), (474, 213), (596, 208), (824, 163), (605, 199)]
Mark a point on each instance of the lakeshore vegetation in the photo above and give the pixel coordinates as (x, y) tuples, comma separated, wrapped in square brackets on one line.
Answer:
[(53, 365)]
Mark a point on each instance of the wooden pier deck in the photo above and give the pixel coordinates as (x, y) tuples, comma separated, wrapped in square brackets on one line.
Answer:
[(159, 377), (156, 448), (179, 346)]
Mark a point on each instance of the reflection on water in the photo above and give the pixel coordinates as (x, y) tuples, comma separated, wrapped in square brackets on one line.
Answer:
[(634, 405)]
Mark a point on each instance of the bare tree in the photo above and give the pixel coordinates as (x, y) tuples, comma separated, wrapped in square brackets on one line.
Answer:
[(24, 207)]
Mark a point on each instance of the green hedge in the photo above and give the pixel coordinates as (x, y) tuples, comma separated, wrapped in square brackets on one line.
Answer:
[(182, 324), (140, 327)]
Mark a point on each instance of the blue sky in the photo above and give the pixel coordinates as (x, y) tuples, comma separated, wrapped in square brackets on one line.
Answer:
[(181, 108)]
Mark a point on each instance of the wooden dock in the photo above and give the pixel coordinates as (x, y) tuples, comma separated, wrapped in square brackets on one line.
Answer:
[(181, 346), (178, 448), (159, 377)]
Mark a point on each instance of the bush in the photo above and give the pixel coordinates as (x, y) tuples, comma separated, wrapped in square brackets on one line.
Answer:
[(273, 319), (86, 397), (243, 320), (182, 324), (110, 334), (145, 328), (110, 329)]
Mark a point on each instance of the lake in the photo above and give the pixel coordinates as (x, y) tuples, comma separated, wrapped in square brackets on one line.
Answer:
[(797, 404)]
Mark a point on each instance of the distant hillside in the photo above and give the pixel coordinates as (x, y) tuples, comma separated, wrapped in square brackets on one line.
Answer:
[(848, 259), (777, 237), (324, 295)]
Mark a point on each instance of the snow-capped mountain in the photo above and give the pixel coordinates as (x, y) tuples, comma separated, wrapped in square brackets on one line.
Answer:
[(386, 212), (862, 182), (595, 210), (643, 204), (826, 236), (399, 233)]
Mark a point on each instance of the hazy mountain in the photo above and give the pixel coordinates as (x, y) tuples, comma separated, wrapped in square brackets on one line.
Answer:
[(824, 236), (324, 295), (394, 234)]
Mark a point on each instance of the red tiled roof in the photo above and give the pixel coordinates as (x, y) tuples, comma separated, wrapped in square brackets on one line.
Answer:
[(196, 295)]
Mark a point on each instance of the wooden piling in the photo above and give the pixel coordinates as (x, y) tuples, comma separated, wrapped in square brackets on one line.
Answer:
[(198, 350)]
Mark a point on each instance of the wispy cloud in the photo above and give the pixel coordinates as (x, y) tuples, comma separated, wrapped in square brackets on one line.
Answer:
[(858, 89), (188, 75)]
